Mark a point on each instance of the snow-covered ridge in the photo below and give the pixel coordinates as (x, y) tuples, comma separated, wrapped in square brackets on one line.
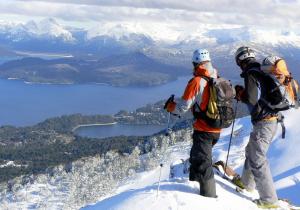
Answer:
[(159, 32), (202, 33), (101, 181), (179, 193)]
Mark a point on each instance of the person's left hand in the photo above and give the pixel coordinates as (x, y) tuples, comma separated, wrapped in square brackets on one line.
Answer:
[(239, 92)]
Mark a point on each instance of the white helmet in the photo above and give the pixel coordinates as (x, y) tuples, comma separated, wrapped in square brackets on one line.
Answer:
[(200, 55), (268, 63), (270, 60)]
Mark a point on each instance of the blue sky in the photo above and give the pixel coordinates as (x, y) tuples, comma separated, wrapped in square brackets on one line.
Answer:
[(86, 13)]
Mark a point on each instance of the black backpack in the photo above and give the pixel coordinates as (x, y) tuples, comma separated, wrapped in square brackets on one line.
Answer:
[(219, 112), (277, 97)]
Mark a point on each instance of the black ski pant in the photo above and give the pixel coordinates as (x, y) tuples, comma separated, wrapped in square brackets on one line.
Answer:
[(201, 169)]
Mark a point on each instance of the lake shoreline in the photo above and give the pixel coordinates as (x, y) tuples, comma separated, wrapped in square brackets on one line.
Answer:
[(26, 82), (119, 129), (94, 124)]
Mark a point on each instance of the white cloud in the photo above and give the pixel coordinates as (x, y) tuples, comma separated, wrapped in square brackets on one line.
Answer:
[(268, 12)]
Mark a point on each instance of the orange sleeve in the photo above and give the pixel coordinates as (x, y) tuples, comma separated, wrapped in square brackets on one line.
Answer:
[(191, 89)]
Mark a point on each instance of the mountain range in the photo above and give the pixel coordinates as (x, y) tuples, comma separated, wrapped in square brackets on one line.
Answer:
[(160, 43)]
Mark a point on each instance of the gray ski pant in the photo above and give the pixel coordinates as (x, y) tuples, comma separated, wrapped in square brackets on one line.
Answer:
[(256, 172)]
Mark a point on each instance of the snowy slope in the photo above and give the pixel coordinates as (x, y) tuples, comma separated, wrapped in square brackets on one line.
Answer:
[(182, 194)]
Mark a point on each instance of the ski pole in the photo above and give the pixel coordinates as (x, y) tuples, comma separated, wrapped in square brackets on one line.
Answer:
[(161, 165), (170, 125), (232, 128), (170, 99), (169, 130)]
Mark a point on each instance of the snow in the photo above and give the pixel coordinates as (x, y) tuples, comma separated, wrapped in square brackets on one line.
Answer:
[(207, 34), (141, 193), (285, 150), (173, 195), (62, 190), (170, 33), (251, 34), (48, 27), (10, 164)]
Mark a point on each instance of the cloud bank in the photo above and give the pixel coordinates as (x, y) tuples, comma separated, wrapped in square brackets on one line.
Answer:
[(280, 14)]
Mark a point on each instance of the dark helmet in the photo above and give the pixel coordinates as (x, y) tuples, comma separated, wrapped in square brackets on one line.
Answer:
[(242, 54)]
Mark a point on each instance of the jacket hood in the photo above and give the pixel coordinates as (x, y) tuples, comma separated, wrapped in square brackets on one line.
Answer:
[(204, 70)]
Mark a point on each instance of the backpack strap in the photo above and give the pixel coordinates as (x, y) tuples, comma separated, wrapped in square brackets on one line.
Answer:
[(280, 119), (200, 113), (205, 78), (296, 98)]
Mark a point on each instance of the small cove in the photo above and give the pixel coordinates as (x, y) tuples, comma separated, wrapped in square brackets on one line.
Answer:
[(103, 131)]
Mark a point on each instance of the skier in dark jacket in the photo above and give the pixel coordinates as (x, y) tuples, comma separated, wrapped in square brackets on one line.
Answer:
[(256, 172)]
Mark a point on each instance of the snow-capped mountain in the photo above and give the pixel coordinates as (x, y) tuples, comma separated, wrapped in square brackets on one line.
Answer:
[(51, 28), (169, 43), (201, 34), (151, 33), (46, 28)]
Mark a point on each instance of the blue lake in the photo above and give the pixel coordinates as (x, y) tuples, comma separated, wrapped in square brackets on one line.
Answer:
[(27, 104)]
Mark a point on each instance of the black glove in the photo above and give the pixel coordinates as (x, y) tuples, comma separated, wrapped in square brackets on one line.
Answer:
[(239, 92)]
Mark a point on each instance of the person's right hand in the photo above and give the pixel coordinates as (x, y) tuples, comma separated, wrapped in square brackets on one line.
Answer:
[(171, 106)]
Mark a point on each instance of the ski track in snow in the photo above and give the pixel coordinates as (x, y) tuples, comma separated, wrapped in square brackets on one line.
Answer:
[(183, 194)]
